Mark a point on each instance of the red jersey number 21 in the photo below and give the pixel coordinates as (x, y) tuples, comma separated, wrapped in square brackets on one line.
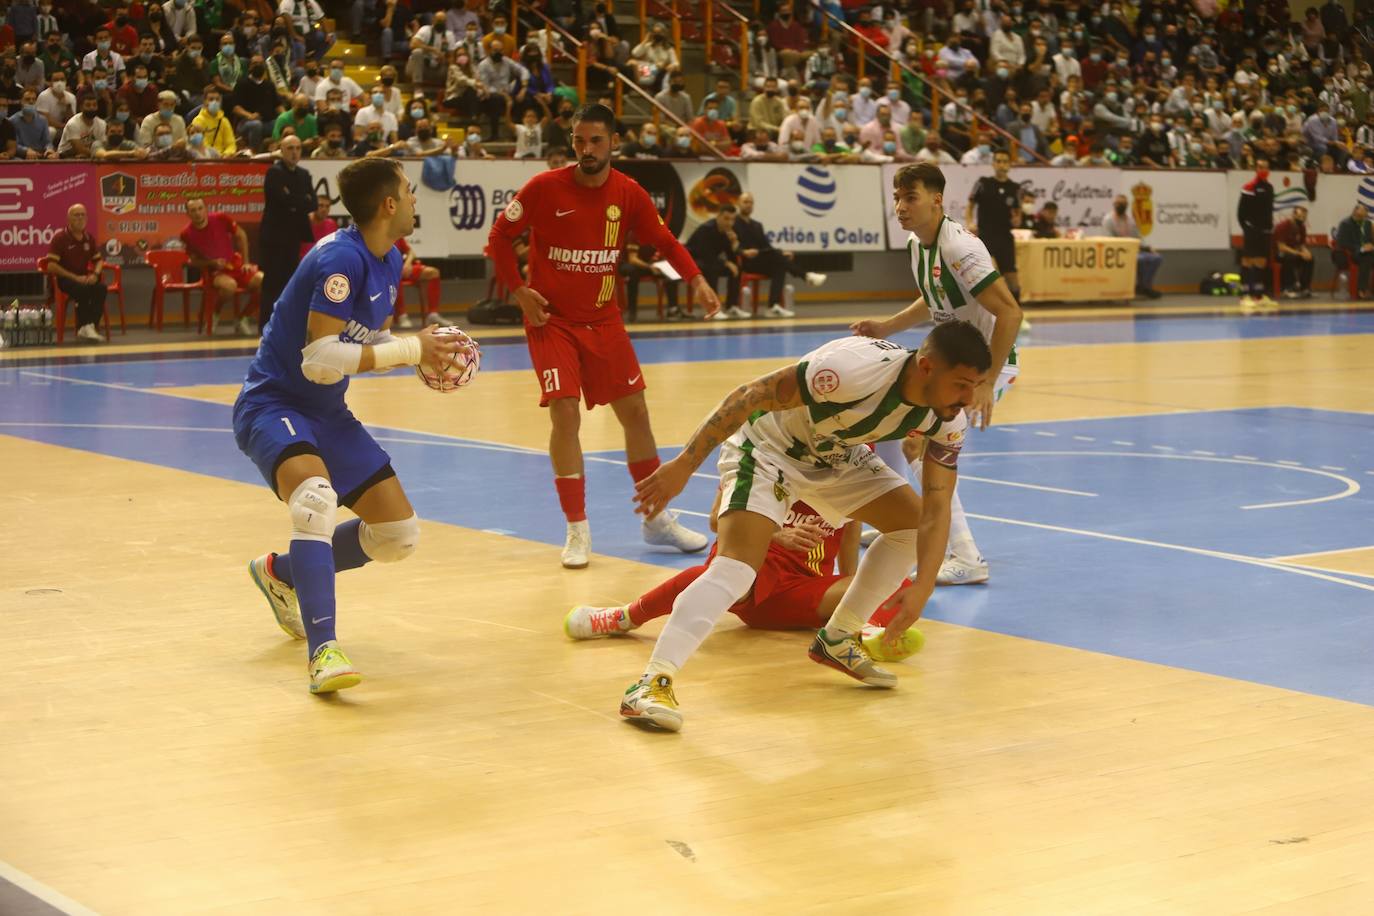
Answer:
[(550, 380)]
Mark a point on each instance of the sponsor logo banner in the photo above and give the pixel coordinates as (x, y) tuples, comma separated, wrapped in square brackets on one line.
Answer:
[(818, 207), (33, 208), (1177, 210), (143, 208)]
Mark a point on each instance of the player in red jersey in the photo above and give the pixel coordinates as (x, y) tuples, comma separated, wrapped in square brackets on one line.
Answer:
[(218, 246), (414, 270), (797, 588), (577, 218)]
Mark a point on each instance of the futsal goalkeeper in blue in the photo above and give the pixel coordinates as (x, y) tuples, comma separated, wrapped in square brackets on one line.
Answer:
[(333, 320)]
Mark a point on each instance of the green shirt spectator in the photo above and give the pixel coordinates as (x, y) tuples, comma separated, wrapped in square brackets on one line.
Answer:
[(306, 127)]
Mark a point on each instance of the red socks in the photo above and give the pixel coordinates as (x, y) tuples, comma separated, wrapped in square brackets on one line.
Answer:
[(658, 601), (572, 496), (641, 469)]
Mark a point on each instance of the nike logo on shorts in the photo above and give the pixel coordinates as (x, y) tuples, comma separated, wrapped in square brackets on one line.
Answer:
[(563, 212), (374, 298), (635, 379), (320, 619)]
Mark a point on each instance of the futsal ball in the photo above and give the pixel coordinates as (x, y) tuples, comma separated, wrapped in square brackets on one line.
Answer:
[(460, 370)]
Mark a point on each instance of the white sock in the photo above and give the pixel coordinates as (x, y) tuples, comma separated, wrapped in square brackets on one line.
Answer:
[(884, 565), (697, 609), (960, 537)]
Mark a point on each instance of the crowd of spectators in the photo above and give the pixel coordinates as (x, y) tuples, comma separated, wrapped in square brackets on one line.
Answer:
[(1161, 84)]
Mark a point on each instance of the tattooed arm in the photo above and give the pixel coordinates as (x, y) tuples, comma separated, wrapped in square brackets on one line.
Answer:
[(776, 391), (938, 476)]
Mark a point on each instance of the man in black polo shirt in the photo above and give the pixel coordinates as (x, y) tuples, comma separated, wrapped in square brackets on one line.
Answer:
[(1255, 213), (715, 248), (760, 257), (994, 199)]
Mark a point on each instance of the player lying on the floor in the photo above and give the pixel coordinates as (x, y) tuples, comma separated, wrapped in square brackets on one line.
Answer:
[(798, 588)]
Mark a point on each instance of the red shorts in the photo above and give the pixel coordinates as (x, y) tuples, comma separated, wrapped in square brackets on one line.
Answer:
[(413, 275), (241, 275), (784, 601), (595, 361)]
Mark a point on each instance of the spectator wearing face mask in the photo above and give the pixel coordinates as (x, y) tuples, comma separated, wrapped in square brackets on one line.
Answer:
[(763, 60), (333, 111), (761, 148), (820, 69), (227, 68), (82, 131), (139, 92), (257, 105), (871, 133), (502, 78), (191, 73), (336, 80), (300, 118), (499, 37), (374, 119), (979, 152), (644, 146), (116, 144), (99, 85), (103, 56), (680, 144), (1320, 130), (789, 38), (471, 147), (31, 132), (675, 97), (654, 59), (800, 125), (1007, 45), (462, 87), (767, 109), (332, 145), (219, 132), (1153, 146), (198, 145), (163, 148), (932, 152), (558, 131), (862, 105), (1295, 257), (713, 128), (429, 51), (536, 90), (165, 115)]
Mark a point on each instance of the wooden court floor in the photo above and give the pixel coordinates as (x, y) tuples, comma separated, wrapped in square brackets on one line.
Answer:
[(161, 754)]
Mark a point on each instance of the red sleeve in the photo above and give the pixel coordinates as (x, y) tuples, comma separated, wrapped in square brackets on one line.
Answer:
[(512, 221), (648, 228), (230, 226)]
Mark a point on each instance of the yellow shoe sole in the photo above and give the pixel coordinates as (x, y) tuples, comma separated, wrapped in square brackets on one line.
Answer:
[(913, 640), (337, 682)]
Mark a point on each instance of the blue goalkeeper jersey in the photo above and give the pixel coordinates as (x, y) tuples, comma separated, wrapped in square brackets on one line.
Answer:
[(338, 277)]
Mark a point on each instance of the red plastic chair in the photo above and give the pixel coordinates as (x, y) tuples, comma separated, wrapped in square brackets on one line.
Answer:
[(169, 275), (752, 281), (58, 299), (205, 322), (116, 287)]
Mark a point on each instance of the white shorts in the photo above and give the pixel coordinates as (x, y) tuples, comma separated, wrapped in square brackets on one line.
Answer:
[(757, 479), (891, 451)]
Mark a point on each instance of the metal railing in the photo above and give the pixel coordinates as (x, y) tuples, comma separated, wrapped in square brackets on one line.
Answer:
[(666, 8), (897, 66), (740, 21), (578, 55)]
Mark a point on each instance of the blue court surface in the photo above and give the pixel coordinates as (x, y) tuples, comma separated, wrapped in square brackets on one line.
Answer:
[(1143, 537)]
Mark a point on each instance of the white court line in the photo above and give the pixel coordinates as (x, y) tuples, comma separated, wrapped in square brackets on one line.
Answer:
[(1041, 432), (1024, 486), (1351, 487), (1328, 467), (1205, 454), (1199, 551), (1343, 572), (1084, 439), (35, 888), (1245, 457), (1123, 442), (130, 426)]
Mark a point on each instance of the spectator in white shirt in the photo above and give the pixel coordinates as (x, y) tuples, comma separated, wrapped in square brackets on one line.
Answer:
[(871, 134), (56, 104), (375, 118), (1066, 64), (394, 103), (862, 107), (1008, 45), (958, 60), (102, 56), (429, 51), (83, 131), (180, 18), (762, 149), (346, 84), (802, 125)]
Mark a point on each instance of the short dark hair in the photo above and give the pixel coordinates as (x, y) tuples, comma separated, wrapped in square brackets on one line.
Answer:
[(365, 183), (960, 343), (596, 114), (727, 208), (927, 174)]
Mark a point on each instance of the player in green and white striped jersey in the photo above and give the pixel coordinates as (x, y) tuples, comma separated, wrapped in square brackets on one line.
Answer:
[(801, 433), (956, 279)]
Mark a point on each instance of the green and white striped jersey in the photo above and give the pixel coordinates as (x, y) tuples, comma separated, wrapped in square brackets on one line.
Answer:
[(851, 394), (951, 274)]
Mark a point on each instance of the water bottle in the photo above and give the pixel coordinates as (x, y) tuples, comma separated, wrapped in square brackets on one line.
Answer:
[(789, 297), (746, 299)]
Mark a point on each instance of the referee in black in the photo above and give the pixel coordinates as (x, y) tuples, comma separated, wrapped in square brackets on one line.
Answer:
[(994, 199), (1255, 213)]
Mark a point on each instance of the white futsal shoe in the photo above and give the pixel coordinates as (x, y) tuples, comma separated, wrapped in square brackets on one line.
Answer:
[(577, 549), (281, 598), (89, 332), (777, 310), (587, 622), (814, 279), (650, 701), (664, 530), (957, 571)]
